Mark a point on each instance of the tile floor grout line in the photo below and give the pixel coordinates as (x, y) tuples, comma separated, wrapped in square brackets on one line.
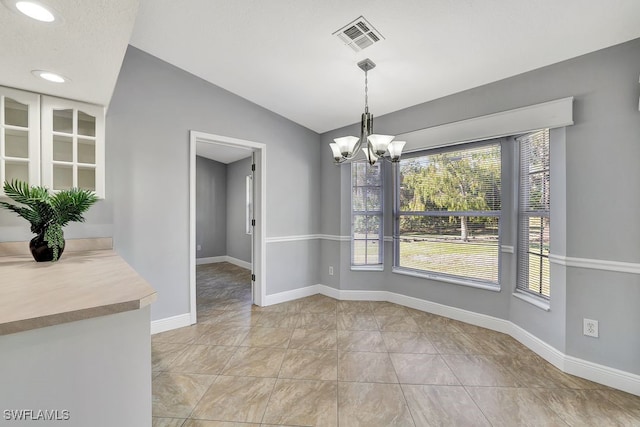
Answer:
[(275, 383), (337, 375), (406, 403), (464, 387), (200, 399), (536, 397)]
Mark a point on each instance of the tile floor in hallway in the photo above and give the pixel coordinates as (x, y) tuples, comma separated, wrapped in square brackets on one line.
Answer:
[(322, 362)]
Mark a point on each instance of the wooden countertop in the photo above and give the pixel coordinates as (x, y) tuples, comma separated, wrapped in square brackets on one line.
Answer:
[(80, 285)]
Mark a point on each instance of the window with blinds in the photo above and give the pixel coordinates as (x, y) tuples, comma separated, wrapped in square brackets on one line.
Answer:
[(448, 212), (366, 214), (533, 214)]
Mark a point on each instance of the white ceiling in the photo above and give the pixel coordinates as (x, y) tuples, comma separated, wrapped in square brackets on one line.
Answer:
[(281, 53), (222, 153), (87, 47)]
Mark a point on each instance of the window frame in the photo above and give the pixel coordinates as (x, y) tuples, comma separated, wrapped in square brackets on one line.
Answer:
[(379, 266), (521, 235), (500, 215)]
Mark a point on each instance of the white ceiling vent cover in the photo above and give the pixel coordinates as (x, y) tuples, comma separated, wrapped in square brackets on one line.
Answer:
[(359, 34)]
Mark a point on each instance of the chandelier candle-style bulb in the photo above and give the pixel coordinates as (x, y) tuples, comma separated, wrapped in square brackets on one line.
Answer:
[(380, 143), (395, 150), (346, 144), (337, 155)]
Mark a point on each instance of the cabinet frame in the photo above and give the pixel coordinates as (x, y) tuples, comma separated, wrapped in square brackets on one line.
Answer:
[(49, 104), (32, 101)]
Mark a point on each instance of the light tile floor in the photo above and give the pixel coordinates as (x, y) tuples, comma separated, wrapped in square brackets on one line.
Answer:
[(321, 362)]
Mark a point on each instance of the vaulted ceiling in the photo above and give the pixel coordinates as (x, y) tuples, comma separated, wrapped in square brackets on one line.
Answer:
[(282, 54)]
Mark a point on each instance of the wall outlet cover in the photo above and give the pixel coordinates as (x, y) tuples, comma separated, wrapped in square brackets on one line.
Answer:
[(590, 328)]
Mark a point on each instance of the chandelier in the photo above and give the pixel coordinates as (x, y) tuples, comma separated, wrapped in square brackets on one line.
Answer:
[(373, 146)]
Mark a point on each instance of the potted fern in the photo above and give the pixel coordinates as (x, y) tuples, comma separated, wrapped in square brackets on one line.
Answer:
[(47, 213)]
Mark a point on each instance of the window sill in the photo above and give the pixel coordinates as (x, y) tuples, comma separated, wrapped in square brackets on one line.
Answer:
[(538, 302), (461, 282), (379, 267)]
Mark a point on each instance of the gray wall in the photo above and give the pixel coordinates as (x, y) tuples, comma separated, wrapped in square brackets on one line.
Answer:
[(211, 208), (152, 110), (238, 241), (99, 223), (602, 202)]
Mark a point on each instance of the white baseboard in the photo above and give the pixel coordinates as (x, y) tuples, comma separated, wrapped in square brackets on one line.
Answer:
[(238, 262), (611, 377), (169, 323), (352, 295), (210, 260), (224, 258), (541, 348), (462, 315), (291, 295)]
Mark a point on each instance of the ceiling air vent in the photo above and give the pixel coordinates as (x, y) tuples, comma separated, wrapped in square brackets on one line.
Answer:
[(359, 34)]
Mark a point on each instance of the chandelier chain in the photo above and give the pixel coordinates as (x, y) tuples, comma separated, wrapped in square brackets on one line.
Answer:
[(366, 92)]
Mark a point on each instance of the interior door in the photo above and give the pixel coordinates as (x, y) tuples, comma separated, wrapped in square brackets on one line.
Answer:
[(251, 222)]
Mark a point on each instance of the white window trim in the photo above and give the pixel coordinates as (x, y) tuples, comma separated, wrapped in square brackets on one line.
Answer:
[(547, 115), (380, 265), (370, 267), (444, 277), (536, 301)]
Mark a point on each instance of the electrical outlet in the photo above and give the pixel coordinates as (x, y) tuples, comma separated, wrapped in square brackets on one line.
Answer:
[(199, 247), (590, 328), (330, 270)]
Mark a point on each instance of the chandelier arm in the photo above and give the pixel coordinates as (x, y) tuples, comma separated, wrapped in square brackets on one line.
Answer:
[(356, 150)]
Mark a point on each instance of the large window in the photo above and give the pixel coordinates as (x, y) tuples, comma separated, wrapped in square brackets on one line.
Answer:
[(533, 215), (366, 214), (448, 214)]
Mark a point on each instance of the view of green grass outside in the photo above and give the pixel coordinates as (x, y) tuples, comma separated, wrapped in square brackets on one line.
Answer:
[(536, 277), (365, 252), (476, 259), (537, 256)]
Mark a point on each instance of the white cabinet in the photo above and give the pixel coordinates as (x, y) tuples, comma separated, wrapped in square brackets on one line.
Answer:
[(19, 136), (72, 145), (53, 142)]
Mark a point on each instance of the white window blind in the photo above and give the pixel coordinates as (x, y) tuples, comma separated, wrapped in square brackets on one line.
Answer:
[(448, 213), (534, 214), (366, 214)]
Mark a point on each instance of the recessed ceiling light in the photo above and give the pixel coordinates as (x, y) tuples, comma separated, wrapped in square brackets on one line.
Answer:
[(35, 11), (48, 75)]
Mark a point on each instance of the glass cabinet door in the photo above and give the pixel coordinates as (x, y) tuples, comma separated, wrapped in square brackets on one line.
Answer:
[(19, 136), (72, 145)]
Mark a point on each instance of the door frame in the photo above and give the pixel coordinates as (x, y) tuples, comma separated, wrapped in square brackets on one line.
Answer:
[(258, 262)]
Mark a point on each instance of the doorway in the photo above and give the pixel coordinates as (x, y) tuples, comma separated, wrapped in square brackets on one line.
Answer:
[(213, 146)]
